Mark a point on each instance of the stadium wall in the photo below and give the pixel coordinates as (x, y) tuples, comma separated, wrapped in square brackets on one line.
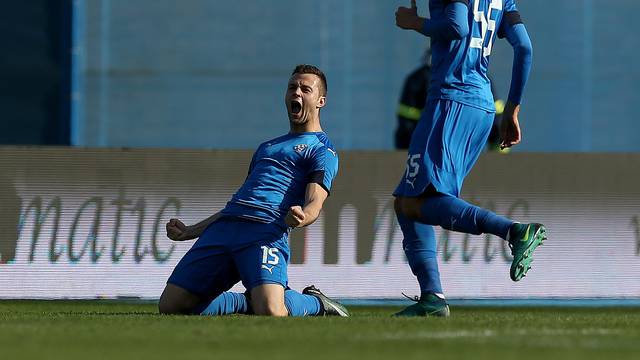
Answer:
[(89, 223), (213, 73)]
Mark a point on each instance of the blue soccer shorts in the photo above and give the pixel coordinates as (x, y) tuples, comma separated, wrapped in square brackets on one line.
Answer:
[(232, 250), (444, 147)]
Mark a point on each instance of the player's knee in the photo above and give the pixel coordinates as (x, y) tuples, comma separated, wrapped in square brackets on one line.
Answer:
[(270, 308), (168, 307), (176, 301), (397, 205)]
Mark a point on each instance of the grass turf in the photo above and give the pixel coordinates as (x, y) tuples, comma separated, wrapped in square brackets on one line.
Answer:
[(111, 330)]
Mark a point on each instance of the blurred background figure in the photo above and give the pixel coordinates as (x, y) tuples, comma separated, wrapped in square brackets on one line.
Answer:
[(412, 101)]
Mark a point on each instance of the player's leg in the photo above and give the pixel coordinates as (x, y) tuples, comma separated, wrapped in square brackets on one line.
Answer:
[(311, 302), (268, 299), (419, 242), (263, 269), (228, 303), (177, 300), (456, 136), (454, 214), (420, 246), (202, 274), (196, 281), (193, 284)]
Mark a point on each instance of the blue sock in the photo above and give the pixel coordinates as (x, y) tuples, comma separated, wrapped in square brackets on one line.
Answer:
[(227, 303), (420, 246), (300, 304), (455, 214)]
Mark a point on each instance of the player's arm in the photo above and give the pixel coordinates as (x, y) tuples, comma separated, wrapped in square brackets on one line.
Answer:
[(516, 34), (323, 169), (299, 216), (178, 231), (453, 25)]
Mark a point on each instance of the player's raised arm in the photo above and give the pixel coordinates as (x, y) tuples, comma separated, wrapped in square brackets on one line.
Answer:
[(514, 30), (452, 25), (324, 168)]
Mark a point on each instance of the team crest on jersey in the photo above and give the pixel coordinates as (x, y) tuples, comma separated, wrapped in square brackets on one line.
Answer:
[(300, 147)]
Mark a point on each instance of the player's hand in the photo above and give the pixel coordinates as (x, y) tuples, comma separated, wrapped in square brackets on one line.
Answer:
[(295, 217), (407, 18), (176, 230), (510, 127)]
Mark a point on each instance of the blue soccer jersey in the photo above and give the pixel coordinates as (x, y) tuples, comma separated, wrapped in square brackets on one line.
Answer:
[(279, 174), (459, 70)]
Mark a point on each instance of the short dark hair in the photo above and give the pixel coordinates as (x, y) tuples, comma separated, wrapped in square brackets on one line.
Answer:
[(310, 69)]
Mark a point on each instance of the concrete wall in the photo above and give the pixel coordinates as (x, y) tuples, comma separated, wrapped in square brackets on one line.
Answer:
[(212, 74)]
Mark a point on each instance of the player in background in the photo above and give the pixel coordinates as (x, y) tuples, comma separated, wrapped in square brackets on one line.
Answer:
[(413, 99), (453, 131), (288, 181)]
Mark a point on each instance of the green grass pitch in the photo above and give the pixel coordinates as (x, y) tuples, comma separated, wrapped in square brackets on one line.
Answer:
[(116, 330)]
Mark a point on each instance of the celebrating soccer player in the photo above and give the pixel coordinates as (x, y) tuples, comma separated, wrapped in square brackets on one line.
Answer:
[(288, 181), (452, 132)]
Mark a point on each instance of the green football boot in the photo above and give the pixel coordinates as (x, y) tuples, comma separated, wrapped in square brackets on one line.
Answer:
[(523, 240), (428, 305)]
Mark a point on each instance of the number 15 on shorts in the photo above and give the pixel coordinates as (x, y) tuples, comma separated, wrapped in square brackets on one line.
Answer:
[(413, 166), (269, 258)]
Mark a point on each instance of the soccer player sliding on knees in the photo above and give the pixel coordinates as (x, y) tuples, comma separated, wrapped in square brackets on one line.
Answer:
[(451, 134), (288, 181)]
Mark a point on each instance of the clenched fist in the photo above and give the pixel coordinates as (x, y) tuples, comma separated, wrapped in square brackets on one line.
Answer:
[(176, 230), (407, 18), (295, 217)]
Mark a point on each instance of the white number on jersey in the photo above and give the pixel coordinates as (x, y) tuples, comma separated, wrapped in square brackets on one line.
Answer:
[(487, 25)]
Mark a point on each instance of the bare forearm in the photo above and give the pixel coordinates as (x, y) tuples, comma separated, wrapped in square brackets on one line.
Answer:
[(299, 216), (196, 230)]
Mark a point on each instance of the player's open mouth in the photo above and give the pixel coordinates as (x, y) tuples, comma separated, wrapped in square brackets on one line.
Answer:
[(296, 107)]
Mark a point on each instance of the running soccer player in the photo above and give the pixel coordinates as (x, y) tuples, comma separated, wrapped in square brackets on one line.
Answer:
[(288, 181), (452, 132)]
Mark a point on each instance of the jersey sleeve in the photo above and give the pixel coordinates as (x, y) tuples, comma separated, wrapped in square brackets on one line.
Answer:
[(522, 60), (510, 18), (324, 167), (510, 5), (448, 20)]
